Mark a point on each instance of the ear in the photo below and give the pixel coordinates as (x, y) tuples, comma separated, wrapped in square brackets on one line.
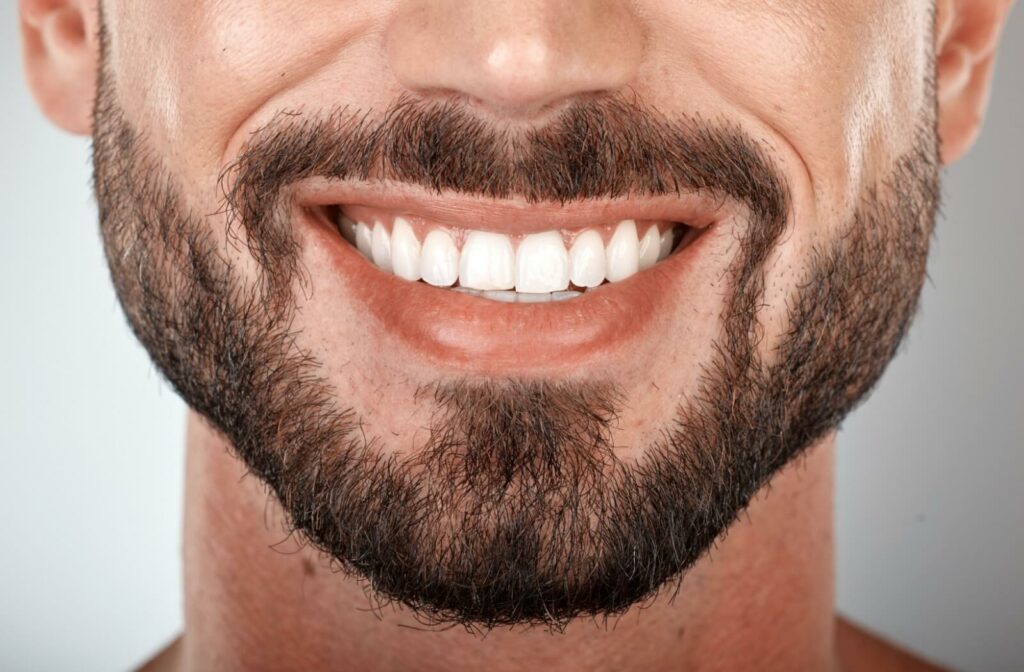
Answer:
[(60, 47), (967, 32)]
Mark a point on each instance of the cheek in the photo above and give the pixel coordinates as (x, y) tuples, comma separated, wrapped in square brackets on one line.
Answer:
[(836, 93), (834, 87), (208, 65)]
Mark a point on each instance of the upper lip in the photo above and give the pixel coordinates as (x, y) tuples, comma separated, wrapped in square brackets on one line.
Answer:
[(697, 210)]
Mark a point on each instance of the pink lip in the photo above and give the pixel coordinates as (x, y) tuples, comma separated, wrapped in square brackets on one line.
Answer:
[(477, 335)]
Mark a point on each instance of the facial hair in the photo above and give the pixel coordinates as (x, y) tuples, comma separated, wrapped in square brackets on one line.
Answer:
[(516, 510)]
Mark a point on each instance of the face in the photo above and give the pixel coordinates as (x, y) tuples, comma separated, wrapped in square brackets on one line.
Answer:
[(514, 306)]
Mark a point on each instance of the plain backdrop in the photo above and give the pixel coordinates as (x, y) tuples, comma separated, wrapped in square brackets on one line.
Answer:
[(929, 505)]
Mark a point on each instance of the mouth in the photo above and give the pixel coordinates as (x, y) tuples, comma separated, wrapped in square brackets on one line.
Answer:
[(551, 265), (500, 286)]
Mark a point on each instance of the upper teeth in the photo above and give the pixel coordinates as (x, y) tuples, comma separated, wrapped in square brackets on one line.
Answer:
[(488, 261)]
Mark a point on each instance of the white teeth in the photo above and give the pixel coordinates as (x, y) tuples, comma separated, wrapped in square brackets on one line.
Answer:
[(622, 257), (587, 259), (504, 295), (665, 244), (439, 259), (542, 264), (649, 246), (488, 265), (405, 250), (381, 247), (364, 240), (487, 261)]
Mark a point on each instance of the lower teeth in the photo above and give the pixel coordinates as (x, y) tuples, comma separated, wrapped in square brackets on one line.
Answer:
[(509, 296)]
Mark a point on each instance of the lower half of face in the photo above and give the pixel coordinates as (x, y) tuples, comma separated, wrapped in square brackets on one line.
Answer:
[(513, 375)]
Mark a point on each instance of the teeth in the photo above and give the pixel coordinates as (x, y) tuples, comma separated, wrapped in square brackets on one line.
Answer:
[(381, 247), (542, 264), (347, 228), (665, 244), (364, 240), (405, 250), (439, 259), (553, 296), (527, 297), (506, 296), (587, 259), (487, 261), (622, 257), (488, 265), (649, 248)]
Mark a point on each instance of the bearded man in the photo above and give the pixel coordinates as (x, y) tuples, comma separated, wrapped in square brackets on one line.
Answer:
[(536, 318)]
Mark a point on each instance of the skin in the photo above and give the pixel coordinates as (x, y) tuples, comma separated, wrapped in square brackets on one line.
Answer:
[(832, 90)]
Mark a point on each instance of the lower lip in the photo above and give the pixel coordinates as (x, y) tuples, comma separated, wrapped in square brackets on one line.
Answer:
[(473, 334)]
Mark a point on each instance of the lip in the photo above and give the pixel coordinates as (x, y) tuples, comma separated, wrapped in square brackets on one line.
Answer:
[(511, 216), (476, 335)]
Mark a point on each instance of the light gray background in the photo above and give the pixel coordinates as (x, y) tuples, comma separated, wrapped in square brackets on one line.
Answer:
[(929, 503)]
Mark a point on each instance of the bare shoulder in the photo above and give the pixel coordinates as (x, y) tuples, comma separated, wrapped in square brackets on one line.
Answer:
[(863, 651), (167, 659)]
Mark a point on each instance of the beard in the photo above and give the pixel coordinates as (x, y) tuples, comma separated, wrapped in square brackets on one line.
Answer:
[(517, 509)]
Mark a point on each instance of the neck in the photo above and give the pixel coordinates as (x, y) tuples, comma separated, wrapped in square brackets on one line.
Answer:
[(258, 599)]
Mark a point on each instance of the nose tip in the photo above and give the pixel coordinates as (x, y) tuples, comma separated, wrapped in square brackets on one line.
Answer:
[(521, 71), (514, 58)]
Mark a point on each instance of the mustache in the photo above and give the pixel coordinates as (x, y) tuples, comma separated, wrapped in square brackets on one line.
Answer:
[(600, 148)]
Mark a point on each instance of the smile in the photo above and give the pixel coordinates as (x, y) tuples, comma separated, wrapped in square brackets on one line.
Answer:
[(492, 285), (553, 265)]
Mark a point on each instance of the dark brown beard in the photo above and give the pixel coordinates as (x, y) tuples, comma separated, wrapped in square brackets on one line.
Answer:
[(516, 510)]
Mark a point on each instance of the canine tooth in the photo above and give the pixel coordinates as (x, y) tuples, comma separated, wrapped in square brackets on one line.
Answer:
[(364, 240), (487, 261), (542, 264), (439, 259), (347, 228), (405, 250), (586, 259), (381, 247), (505, 295), (665, 244), (649, 247), (622, 257)]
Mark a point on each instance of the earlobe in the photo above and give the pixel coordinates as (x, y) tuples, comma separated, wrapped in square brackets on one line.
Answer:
[(967, 32), (60, 52)]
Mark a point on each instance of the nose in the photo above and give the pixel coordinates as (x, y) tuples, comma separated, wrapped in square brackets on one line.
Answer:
[(516, 58)]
